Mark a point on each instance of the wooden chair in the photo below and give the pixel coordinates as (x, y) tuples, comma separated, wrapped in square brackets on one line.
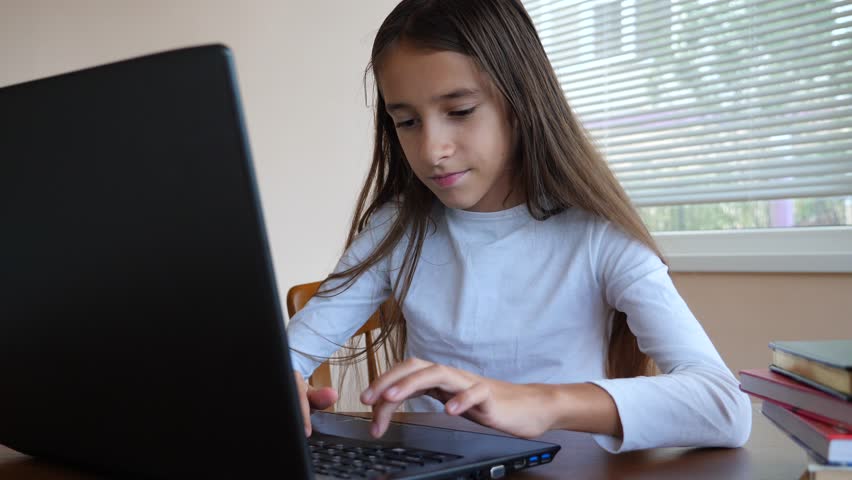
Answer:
[(297, 297)]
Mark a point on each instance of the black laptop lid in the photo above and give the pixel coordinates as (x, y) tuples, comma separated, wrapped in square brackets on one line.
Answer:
[(139, 323)]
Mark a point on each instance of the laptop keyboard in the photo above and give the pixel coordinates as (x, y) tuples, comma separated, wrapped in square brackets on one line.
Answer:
[(349, 458)]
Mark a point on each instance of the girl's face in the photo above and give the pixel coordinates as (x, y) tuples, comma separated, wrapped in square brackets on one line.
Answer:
[(454, 127)]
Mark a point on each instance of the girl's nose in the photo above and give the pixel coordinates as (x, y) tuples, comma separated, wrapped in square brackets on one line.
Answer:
[(437, 144)]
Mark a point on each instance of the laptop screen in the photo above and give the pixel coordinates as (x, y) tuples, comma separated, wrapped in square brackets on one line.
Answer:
[(137, 298)]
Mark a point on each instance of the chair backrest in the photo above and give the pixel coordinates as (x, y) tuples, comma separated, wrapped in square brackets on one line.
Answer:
[(297, 297)]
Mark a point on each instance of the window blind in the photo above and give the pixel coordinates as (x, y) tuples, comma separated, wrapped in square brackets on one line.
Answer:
[(710, 101)]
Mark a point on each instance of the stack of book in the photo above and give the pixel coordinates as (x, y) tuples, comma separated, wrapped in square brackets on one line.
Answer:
[(807, 393)]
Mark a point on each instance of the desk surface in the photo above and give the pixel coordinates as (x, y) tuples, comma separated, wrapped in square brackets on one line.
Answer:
[(769, 454)]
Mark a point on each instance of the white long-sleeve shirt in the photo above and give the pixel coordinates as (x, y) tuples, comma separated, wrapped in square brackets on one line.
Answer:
[(508, 297)]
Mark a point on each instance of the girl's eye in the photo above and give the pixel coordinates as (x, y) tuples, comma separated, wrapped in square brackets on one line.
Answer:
[(403, 124), (462, 113)]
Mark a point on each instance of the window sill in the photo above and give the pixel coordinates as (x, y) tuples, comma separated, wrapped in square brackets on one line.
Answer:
[(800, 250)]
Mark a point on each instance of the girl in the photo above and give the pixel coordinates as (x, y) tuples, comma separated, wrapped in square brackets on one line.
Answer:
[(531, 294)]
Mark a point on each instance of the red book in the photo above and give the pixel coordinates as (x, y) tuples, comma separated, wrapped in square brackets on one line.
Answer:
[(831, 443), (799, 397)]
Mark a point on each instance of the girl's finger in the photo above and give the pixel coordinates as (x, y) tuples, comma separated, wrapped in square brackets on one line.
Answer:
[(321, 398), (387, 379), (382, 412), (477, 394), (432, 377), (303, 402)]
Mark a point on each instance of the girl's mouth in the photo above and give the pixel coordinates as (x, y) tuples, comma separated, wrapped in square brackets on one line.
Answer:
[(449, 180)]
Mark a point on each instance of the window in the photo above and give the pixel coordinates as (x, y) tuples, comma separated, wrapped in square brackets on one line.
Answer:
[(714, 115)]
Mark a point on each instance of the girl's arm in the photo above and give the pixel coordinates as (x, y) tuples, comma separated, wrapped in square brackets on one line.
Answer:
[(529, 410), (319, 329), (583, 407), (526, 410), (695, 401)]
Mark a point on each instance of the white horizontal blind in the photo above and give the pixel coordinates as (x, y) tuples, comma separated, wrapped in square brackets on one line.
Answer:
[(710, 101)]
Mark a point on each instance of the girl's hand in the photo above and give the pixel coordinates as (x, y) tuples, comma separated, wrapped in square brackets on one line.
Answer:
[(311, 398), (519, 410)]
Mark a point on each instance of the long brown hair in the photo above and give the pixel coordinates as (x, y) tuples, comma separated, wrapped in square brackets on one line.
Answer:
[(558, 165)]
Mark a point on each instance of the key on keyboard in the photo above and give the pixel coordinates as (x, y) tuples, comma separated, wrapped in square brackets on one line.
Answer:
[(349, 458)]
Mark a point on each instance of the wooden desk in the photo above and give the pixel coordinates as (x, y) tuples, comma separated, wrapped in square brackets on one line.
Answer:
[(769, 454)]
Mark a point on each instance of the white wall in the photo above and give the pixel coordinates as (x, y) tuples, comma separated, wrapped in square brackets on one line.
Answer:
[(300, 65)]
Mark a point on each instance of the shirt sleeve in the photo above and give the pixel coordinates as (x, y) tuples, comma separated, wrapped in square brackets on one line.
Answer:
[(324, 325), (696, 400)]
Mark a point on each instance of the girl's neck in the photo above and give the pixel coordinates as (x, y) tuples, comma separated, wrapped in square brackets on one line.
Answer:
[(513, 211)]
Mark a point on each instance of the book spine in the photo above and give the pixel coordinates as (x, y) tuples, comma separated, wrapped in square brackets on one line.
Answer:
[(813, 454), (811, 357), (820, 418), (808, 413), (809, 382)]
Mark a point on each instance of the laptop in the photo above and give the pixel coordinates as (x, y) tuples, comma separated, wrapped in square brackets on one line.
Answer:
[(141, 333)]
